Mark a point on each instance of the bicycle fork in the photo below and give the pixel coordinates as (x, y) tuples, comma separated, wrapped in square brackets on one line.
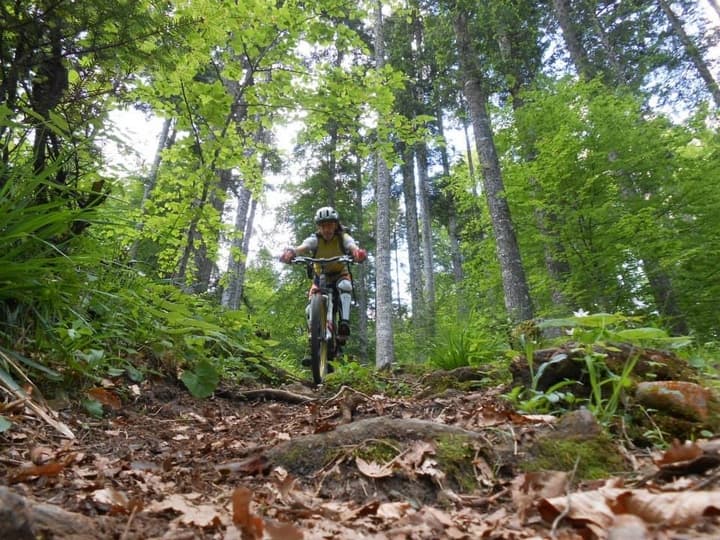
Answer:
[(329, 318)]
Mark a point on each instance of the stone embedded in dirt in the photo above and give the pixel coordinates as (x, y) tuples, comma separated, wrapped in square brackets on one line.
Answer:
[(578, 424), (679, 398)]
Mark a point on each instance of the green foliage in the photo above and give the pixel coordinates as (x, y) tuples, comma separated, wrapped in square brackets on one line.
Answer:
[(473, 342), (458, 347), (365, 379), (603, 403), (602, 197), (621, 198), (606, 328), (606, 386), (201, 380)]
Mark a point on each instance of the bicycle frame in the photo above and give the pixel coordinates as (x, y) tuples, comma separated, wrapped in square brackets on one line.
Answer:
[(324, 301)]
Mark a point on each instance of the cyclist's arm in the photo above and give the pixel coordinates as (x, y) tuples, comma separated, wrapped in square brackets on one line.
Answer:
[(308, 246), (349, 244)]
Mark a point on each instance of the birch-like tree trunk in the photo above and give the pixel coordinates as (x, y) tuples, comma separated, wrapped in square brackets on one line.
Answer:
[(421, 156), (385, 347), (232, 292), (455, 253), (515, 287), (692, 51), (360, 273), (412, 235)]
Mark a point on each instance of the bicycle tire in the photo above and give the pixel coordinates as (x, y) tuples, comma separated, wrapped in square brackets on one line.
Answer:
[(319, 347)]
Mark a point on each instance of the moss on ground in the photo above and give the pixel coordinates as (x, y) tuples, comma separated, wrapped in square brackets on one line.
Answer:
[(596, 458)]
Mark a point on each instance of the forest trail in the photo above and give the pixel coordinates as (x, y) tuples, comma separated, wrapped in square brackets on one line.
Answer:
[(298, 462)]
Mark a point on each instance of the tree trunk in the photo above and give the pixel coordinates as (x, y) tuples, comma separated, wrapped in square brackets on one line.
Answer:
[(692, 51), (421, 155), (413, 245), (468, 153), (571, 36), (240, 280), (455, 254), (515, 287), (385, 348), (360, 274), (205, 265), (231, 294)]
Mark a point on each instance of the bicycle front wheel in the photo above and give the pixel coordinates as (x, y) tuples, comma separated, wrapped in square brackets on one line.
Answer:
[(319, 347)]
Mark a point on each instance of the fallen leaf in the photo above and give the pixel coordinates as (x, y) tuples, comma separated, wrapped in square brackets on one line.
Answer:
[(253, 465), (251, 526), (628, 527), (283, 531), (53, 468), (429, 468), (372, 469), (585, 509), (201, 515), (671, 509), (106, 397), (111, 498), (679, 453), (394, 510), (41, 454)]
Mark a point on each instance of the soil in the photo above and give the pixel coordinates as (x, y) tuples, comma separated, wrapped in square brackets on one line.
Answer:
[(300, 462)]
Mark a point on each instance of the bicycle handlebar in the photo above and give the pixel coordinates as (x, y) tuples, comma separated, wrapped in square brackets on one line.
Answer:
[(301, 259)]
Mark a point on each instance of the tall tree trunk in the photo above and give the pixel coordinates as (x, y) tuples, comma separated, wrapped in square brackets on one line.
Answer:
[(240, 271), (150, 182), (515, 287), (232, 292), (572, 39), (421, 155), (692, 51), (385, 347), (455, 254), (205, 265), (360, 273), (468, 153), (413, 245)]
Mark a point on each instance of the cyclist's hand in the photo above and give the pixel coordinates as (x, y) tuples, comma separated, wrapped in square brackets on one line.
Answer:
[(359, 255), (287, 255)]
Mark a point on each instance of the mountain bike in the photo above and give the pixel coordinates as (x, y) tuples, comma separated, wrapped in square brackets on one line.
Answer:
[(324, 315)]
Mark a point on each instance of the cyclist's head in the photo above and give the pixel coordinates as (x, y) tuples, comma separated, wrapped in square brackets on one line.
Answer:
[(326, 214)]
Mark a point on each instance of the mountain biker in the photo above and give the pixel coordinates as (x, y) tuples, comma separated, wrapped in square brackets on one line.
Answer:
[(331, 240)]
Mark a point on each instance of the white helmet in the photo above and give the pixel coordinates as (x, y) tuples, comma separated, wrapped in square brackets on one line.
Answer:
[(326, 213)]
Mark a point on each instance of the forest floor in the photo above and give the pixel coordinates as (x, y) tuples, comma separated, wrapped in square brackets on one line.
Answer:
[(299, 462)]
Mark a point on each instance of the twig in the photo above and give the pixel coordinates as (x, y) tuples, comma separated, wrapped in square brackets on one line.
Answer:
[(129, 522), (343, 388), (566, 510)]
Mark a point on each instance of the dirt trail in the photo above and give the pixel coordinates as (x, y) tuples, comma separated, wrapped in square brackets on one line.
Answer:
[(298, 463)]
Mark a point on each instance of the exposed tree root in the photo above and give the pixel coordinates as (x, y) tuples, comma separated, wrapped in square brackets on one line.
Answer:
[(307, 454), (24, 519), (274, 394)]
